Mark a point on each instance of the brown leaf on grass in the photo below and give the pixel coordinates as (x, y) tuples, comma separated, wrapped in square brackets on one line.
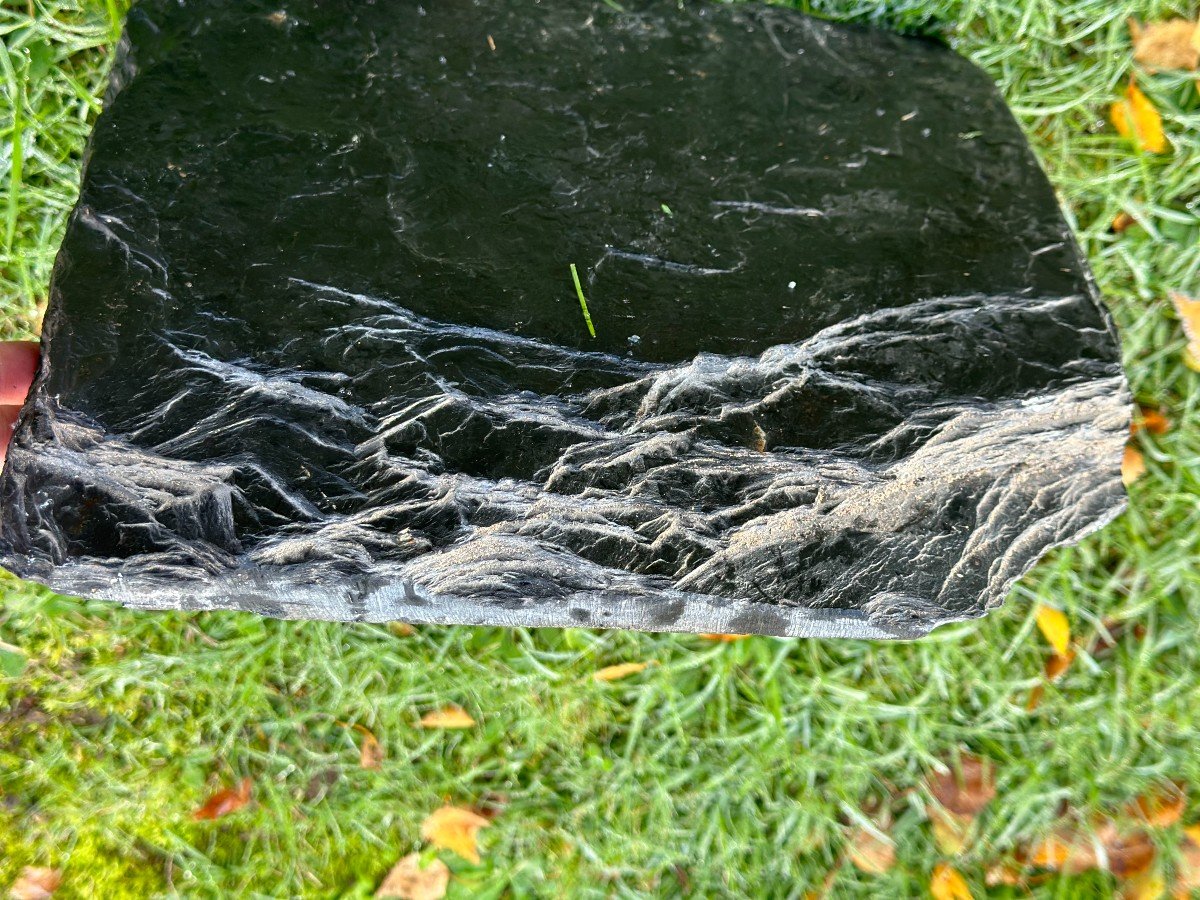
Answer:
[(1057, 665), (456, 829), (621, 670), (318, 786), (724, 638), (401, 629), (1173, 44), (1003, 874), (1133, 465), (447, 717), (1187, 873), (1064, 851), (225, 801), (966, 789), (948, 884), (1115, 629), (1188, 310), (1127, 854), (1135, 118), (1121, 222), (1162, 807), (1152, 421), (35, 883), (370, 752), (1035, 697), (1055, 628), (870, 853), (408, 881)]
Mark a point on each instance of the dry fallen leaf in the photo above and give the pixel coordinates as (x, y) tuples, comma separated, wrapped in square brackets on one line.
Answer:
[(370, 753), (1162, 807), (870, 853), (948, 884), (965, 789), (621, 670), (408, 881), (1188, 310), (401, 629), (1147, 886), (1003, 875), (724, 638), (1127, 855), (225, 801), (1113, 632), (454, 828), (1136, 118), (1064, 851), (1058, 664), (1055, 628), (1133, 465), (1035, 697), (1121, 222), (950, 831), (35, 883), (1149, 420), (447, 717), (1174, 44), (1187, 873)]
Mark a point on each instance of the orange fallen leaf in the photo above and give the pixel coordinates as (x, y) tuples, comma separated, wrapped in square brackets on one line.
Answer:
[(225, 801), (35, 883), (1057, 665), (1055, 628), (1064, 851), (724, 638), (1035, 697), (456, 829), (1121, 222), (621, 670), (1127, 854), (447, 717), (1136, 118), (1187, 873), (870, 853), (966, 789), (1188, 310), (407, 880), (948, 884), (1173, 44), (1149, 420), (370, 752), (1162, 807), (401, 629), (1133, 465)]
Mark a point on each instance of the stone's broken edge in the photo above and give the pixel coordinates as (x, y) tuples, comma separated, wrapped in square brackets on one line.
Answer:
[(280, 594)]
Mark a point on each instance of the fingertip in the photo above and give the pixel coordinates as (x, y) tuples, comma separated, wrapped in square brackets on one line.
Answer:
[(18, 365), (8, 421)]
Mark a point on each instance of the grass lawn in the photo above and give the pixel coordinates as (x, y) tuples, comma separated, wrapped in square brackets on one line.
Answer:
[(722, 769)]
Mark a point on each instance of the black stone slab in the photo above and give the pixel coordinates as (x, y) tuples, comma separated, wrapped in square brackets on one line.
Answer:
[(313, 347)]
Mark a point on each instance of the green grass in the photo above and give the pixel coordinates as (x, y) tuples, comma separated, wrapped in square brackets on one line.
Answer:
[(724, 769)]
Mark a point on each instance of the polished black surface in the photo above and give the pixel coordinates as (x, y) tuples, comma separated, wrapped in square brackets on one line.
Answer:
[(314, 349)]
